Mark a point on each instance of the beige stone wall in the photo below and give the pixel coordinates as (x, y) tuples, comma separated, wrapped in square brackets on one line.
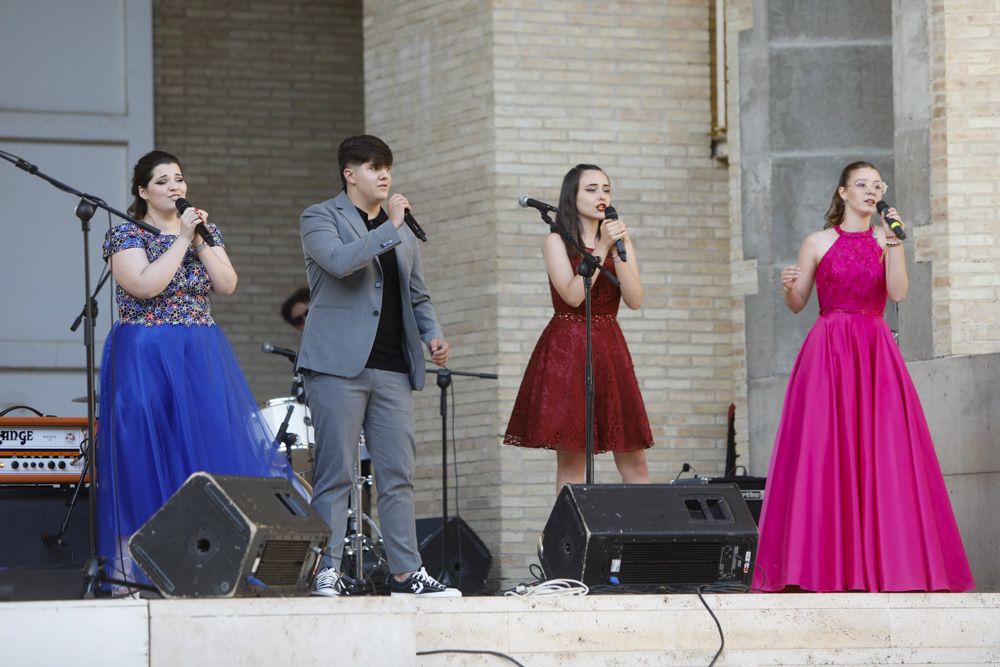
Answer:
[(738, 17), (626, 86), (253, 98), (965, 176), (429, 95), (502, 98)]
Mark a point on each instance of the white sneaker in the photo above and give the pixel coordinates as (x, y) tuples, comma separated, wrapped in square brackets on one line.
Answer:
[(327, 583), (422, 584)]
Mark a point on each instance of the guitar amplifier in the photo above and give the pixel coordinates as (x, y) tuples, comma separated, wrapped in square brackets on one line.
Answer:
[(42, 450)]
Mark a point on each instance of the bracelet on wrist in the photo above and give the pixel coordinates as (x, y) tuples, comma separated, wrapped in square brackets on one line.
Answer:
[(198, 248)]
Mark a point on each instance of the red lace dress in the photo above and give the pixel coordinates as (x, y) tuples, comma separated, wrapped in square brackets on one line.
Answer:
[(550, 411)]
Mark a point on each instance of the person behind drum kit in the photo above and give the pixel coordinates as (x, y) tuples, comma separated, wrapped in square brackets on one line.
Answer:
[(173, 398), (361, 356), (295, 308)]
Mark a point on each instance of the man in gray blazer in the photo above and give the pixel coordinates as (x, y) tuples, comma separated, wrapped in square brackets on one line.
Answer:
[(362, 356)]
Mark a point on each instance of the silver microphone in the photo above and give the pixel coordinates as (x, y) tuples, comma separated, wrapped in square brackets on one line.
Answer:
[(525, 201)]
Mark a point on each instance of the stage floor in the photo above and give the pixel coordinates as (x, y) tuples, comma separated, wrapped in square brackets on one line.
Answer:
[(596, 630)]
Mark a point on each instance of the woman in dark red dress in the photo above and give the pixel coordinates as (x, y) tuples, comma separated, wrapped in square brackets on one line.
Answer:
[(550, 410)]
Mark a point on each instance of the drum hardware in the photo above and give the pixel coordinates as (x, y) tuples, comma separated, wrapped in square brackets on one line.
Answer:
[(295, 432), (362, 575), (283, 437)]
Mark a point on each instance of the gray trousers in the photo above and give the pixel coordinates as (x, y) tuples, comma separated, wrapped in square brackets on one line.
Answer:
[(382, 403)]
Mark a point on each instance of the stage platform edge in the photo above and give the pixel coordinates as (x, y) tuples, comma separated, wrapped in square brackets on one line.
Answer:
[(605, 630)]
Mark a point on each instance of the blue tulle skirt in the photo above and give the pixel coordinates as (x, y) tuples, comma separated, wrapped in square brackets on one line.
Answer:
[(173, 402)]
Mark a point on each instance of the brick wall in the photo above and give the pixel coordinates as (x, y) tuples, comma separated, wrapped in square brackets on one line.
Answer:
[(502, 98), (253, 98), (625, 86), (480, 102), (965, 176), (738, 17), (428, 94)]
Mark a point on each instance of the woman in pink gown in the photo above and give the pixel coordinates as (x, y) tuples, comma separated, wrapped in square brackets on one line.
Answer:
[(855, 500)]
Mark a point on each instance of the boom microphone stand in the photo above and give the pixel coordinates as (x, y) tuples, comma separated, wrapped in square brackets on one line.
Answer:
[(85, 211), (444, 381), (586, 269)]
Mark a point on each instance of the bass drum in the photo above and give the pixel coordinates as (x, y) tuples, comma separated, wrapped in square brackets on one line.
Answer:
[(300, 423)]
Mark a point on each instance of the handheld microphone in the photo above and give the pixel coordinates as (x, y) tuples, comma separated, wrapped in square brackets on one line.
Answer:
[(894, 224), (281, 351), (611, 214), (183, 205), (525, 201), (411, 222)]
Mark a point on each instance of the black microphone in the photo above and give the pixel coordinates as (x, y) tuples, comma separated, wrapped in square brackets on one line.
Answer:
[(183, 205), (894, 224), (414, 226), (611, 214), (282, 351), (525, 201)]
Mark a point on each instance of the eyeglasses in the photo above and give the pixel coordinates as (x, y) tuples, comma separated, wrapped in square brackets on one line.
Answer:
[(864, 186)]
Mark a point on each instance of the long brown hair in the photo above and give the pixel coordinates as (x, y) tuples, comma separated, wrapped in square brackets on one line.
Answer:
[(568, 217), (835, 214)]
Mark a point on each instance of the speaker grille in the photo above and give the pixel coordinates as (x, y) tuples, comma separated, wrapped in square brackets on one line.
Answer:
[(670, 563), (281, 561)]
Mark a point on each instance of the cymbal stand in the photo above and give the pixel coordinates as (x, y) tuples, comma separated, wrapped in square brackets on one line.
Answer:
[(356, 542)]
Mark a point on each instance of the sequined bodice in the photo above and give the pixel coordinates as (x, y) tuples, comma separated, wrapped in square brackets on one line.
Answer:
[(850, 277), (604, 297), (185, 299)]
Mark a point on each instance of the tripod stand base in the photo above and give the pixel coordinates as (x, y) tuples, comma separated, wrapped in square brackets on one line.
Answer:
[(376, 570), (465, 565)]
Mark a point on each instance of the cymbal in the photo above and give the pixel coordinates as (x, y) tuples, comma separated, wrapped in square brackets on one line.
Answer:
[(83, 399)]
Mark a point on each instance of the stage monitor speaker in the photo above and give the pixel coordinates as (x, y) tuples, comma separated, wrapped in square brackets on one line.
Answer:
[(467, 561), (751, 488), (650, 534), (230, 536)]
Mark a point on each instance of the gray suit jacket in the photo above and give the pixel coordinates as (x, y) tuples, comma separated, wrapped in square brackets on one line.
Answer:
[(345, 285)]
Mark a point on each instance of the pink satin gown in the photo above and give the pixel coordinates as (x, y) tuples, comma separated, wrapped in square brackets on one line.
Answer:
[(855, 500)]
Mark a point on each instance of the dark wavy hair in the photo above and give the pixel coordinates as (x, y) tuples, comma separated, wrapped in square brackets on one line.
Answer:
[(361, 149), (568, 217), (142, 174), (835, 214), (300, 295)]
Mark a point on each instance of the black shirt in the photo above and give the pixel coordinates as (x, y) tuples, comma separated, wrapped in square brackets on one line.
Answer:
[(387, 352)]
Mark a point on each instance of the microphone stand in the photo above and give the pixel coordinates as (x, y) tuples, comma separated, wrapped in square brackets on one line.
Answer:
[(59, 538), (586, 269), (444, 381), (85, 211)]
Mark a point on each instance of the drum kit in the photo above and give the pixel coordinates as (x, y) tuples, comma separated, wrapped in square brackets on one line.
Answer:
[(364, 566)]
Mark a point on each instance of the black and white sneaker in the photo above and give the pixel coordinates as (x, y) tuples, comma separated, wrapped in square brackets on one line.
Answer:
[(327, 583), (422, 584)]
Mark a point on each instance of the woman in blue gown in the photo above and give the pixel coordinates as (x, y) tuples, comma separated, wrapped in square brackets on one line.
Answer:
[(173, 398)]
